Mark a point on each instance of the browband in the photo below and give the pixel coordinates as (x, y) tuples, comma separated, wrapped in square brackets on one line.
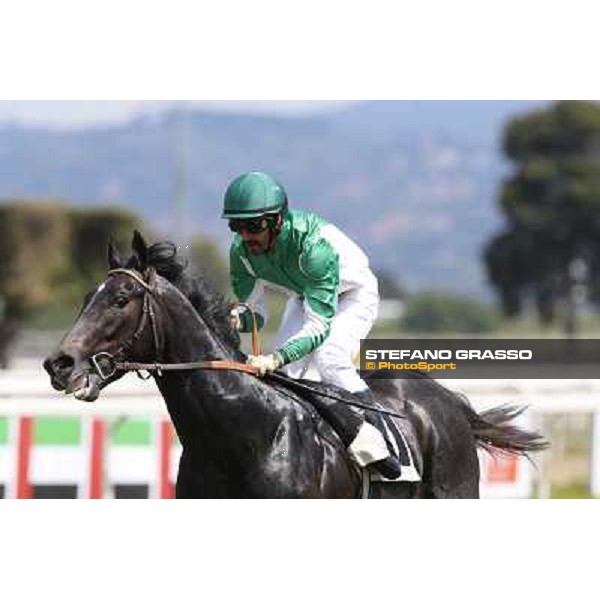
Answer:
[(132, 274)]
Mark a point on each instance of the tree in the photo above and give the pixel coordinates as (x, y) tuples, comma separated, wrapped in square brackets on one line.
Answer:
[(33, 258), (90, 231), (432, 312), (552, 206), (389, 288), (50, 255)]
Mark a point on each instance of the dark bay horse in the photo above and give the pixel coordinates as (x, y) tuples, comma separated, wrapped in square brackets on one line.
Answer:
[(242, 436)]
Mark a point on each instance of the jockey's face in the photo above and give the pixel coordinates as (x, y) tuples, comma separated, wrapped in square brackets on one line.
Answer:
[(257, 243), (254, 232)]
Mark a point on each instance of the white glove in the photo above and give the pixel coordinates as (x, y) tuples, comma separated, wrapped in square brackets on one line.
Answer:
[(234, 319), (265, 362)]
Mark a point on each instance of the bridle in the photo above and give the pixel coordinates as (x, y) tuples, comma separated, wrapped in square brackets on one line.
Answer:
[(106, 364)]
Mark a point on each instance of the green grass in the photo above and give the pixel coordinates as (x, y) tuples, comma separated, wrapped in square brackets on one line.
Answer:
[(571, 491)]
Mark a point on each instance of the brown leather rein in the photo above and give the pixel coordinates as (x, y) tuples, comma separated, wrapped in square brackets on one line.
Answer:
[(218, 365), (111, 366)]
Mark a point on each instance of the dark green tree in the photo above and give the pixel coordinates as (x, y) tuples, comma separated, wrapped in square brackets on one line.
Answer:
[(91, 229), (552, 207)]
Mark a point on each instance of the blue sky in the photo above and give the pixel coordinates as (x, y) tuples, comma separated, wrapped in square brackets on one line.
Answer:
[(85, 113)]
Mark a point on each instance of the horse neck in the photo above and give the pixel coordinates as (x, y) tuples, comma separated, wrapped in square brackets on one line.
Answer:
[(186, 337), (203, 402)]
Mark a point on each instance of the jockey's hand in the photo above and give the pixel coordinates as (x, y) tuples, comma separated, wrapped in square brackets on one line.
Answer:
[(234, 319), (265, 363)]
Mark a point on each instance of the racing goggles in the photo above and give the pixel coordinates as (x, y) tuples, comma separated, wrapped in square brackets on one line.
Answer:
[(257, 225)]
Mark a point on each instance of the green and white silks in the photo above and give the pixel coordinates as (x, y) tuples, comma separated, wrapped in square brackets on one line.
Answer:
[(333, 297)]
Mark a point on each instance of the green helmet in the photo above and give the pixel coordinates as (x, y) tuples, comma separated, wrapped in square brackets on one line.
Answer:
[(252, 195)]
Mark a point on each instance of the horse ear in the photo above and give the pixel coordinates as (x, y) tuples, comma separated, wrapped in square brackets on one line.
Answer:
[(114, 257), (140, 249), (134, 263)]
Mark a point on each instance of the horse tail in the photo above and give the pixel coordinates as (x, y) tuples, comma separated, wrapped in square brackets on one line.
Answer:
[(493, 430)]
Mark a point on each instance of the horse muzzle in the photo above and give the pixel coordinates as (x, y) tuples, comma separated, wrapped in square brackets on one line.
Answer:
[(72, 378), (85, 387)]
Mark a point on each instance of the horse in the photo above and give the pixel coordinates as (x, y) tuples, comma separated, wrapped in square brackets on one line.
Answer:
[(243, 436)]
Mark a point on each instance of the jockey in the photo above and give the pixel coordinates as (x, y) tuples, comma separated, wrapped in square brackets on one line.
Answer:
[(333, 298)]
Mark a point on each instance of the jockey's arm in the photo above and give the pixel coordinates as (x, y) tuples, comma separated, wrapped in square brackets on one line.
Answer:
[(250, 290), (320, 266)]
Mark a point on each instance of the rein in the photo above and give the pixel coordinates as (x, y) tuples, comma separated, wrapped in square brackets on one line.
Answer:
[(106, 365), (111, 365)]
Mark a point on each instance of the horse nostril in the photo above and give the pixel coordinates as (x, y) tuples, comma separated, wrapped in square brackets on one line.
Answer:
[(64, 363), (61, 364)]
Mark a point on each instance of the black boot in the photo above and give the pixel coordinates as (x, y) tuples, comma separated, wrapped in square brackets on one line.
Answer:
[(347, 421), (389, 467)]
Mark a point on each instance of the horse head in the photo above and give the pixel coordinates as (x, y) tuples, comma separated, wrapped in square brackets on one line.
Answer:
[(112, 323)]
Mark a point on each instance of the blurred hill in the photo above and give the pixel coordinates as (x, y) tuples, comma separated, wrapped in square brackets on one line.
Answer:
[(413, 181)]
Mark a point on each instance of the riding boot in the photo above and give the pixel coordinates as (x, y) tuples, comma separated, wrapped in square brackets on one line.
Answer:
[(363, 437), (389, 466)]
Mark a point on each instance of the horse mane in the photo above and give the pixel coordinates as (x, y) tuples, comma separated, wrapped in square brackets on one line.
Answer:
[(208, 302)]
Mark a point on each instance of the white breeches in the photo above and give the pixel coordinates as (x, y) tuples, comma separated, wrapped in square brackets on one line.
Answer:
[(333, 361)]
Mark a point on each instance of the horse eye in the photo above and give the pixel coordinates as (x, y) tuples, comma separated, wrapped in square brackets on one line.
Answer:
[(121, 301)]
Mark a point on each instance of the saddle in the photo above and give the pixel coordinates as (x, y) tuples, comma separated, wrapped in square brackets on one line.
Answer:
[(344, 412)]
